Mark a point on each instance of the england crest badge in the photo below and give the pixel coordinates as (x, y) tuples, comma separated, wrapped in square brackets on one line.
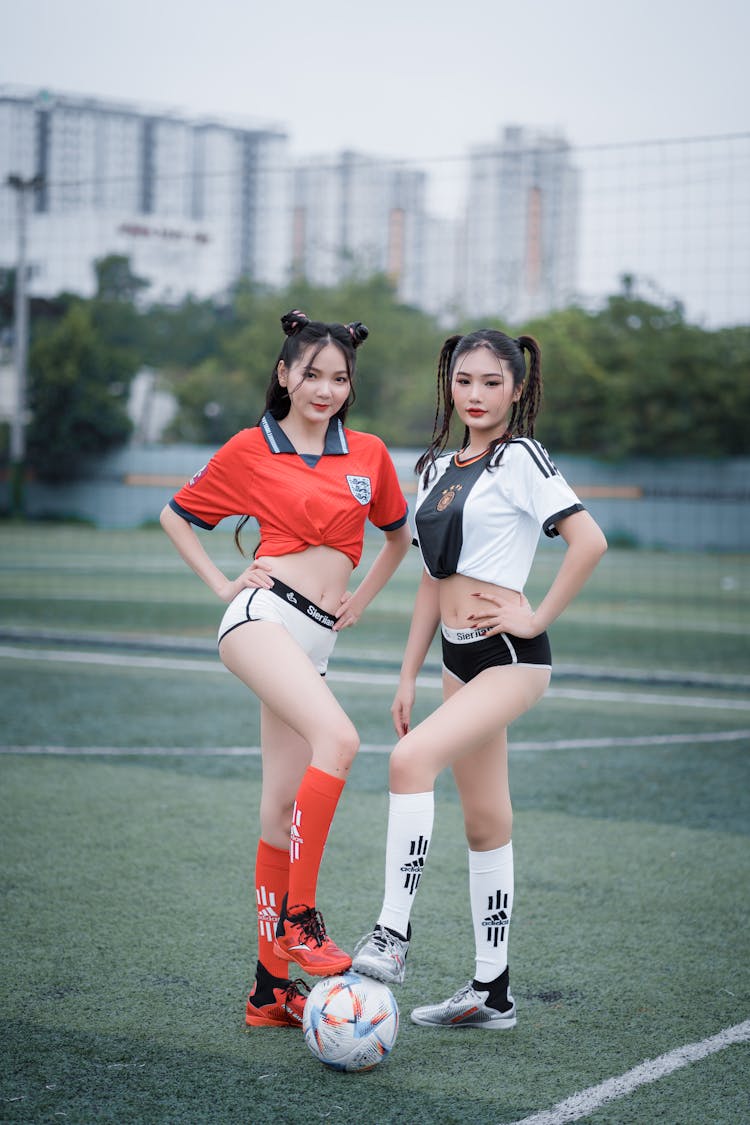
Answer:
[(360, 489)]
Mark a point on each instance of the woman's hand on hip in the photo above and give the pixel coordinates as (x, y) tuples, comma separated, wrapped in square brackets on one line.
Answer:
[(349, 612), (256, 576), (498, 615)]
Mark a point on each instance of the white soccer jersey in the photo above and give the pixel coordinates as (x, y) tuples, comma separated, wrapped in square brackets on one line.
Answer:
[(482, 518)]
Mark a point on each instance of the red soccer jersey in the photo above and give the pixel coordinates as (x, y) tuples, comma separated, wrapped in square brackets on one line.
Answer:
[(298, 502)]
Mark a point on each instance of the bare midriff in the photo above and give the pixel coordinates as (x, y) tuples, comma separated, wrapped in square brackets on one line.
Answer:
[(320, 573), (456, 602)]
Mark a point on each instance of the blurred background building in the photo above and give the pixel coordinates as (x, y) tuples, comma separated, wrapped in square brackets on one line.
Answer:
[(357, 215), (521, 226), (193, 204), (515, 228), (197, 204)]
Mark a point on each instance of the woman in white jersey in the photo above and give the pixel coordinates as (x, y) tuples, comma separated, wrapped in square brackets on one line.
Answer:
[(478, 516)]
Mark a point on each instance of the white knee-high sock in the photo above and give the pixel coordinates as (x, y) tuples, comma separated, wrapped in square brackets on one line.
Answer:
[(491, 892), (410, 817)]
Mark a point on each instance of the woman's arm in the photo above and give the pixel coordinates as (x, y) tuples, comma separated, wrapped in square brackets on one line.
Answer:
[(189, 546), (585, 546), (424, 621), (384, 566)]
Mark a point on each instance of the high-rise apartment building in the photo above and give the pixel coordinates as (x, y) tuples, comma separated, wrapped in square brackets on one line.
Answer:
[(521, 226), (193, 204), (358, 215)]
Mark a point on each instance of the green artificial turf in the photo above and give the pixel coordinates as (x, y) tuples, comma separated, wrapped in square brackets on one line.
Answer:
[(128, 935), (128, 945)]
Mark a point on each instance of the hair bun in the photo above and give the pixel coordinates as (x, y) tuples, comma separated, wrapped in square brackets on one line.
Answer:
[(294, 321), (358, 332)]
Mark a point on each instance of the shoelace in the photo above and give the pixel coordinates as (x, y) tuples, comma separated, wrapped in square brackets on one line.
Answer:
[(387, 942), (310, 921), (294, 989), (384, 941), (462, 993)]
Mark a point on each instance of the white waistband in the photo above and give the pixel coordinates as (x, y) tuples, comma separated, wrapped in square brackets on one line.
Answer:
[(462, 636)]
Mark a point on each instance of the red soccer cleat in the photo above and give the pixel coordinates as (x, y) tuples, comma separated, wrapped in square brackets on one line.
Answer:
[(280, 1004), (301, 937)]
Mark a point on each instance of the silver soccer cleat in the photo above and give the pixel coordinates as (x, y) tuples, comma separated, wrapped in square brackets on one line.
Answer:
[(467, 1008), (382, 956)]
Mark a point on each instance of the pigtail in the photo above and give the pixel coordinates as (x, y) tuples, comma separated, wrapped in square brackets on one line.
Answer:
[(523, 415), (443, 407)]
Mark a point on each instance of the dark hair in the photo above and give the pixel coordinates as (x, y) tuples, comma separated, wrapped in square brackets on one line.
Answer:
[(508, 350), (300, 333)]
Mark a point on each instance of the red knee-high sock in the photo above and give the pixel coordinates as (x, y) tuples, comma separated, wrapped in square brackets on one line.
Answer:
[(314, 807), (271, 884)]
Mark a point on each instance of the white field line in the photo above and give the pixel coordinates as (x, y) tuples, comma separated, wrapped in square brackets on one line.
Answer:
[(587, 1101), (383, 679), (192, 647), (653, 740), (110, 659), (650, 699)]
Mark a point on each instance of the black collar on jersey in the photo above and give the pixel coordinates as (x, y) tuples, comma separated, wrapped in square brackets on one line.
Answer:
[(278, 442)]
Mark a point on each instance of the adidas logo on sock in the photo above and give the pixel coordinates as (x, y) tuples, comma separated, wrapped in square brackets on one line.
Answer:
[(499, 918)]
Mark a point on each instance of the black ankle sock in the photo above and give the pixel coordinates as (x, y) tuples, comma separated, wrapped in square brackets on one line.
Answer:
[(265, 981), (498, 991)]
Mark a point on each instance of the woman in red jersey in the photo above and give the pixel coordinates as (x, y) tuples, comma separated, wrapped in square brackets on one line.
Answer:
[(311, 484)]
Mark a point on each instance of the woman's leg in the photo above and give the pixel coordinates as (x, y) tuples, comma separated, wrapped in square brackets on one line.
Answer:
[(275, 1001), (482, 782), (267, 658), (467, 732), (468, 727), (481, 775), (285, 756), (470, 716)]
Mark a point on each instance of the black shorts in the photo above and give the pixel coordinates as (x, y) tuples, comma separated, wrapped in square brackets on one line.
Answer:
[(467, 652)]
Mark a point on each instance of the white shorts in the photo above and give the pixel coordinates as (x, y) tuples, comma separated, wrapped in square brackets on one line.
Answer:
[(311, 626)]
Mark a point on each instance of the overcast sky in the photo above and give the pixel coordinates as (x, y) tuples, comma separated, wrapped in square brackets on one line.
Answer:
[(402, 78)]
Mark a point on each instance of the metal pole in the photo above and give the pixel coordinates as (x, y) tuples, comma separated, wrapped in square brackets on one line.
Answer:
[(23, 189)]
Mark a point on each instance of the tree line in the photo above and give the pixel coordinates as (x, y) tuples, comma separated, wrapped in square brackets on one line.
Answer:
[(631, 378)]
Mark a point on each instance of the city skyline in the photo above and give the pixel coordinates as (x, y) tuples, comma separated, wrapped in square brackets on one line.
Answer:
[(672, 214), (197, 205)]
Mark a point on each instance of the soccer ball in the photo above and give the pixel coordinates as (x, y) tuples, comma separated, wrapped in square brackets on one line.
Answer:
[(350, 1022)]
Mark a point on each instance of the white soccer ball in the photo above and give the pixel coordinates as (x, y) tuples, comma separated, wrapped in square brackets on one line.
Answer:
[(350, 1022)]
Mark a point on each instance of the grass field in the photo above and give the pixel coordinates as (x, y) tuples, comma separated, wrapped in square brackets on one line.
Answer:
[(128, 808)]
